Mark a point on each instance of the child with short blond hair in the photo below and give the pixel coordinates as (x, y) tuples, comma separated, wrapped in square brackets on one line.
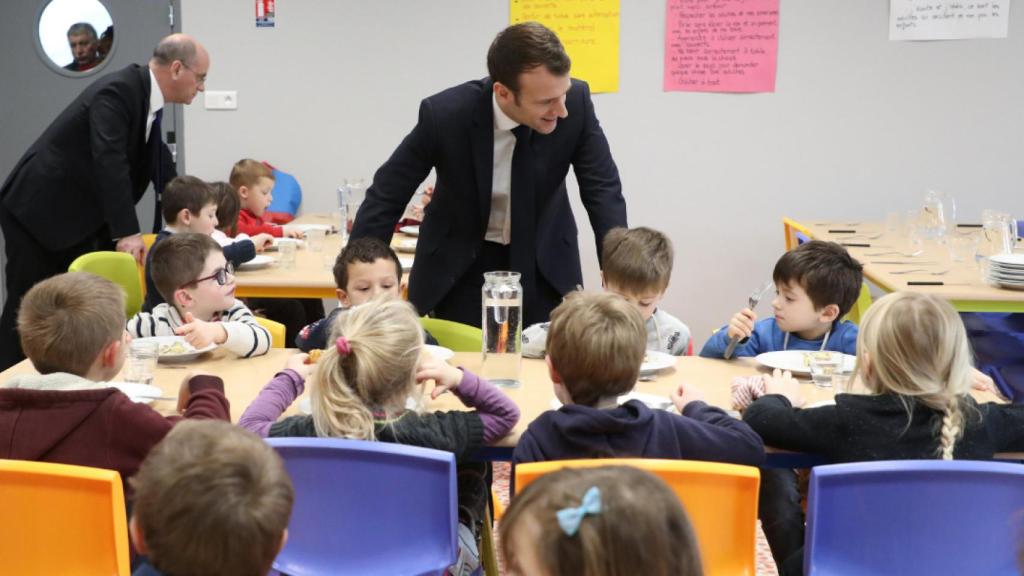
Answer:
[(595, 347), (636, 265), (914, 360), (190, 205), (198, 286), (72, 329), (363, 381), (210, 498), (604, 521), (254, 182)]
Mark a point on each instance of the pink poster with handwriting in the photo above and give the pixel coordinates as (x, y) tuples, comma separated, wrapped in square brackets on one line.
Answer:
[(721, 45)]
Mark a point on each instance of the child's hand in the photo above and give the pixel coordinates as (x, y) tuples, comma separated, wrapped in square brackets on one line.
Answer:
[(445, 376), (185, 391), (685, 394), (741, 325), (982, 382), (292, 233), (783, 383), (201, 334), (262, 240), (299, 363)]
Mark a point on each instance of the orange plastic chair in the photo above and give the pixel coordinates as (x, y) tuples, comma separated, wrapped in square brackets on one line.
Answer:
[(61, 519), (721, 500)]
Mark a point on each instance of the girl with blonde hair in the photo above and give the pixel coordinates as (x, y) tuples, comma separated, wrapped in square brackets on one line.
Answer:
[(363, 380), (914, 360)]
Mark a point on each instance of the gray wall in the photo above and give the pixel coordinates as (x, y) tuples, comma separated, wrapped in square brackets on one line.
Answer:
[(858, 126)]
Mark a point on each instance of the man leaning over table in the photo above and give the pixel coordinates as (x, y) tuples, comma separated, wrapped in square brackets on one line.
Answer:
[(510, 136), (75, 189)]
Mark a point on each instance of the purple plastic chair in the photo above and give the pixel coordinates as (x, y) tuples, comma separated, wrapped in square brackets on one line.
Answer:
[(368, 508), (914, 517)]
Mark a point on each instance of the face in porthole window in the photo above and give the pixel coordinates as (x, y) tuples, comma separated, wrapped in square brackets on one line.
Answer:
[(75, 36)]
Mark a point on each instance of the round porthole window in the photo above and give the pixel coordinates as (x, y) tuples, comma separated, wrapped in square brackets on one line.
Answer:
[(75, 37)]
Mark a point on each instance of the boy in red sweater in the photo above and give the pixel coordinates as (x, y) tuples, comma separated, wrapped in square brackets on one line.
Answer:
[(72, 329), (254, 182)]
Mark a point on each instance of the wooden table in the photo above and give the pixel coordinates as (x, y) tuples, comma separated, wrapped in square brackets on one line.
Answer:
[(970, 294), (311, 277), (244, 378)]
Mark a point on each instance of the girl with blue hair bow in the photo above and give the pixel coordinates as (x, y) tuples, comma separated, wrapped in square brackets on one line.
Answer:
[(605, 521)]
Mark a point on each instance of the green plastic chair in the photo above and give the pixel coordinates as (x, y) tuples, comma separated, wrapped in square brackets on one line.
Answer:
[(118, 267), (458, 337)]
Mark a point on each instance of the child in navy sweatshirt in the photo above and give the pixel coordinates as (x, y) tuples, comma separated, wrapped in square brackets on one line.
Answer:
[(595, 347)]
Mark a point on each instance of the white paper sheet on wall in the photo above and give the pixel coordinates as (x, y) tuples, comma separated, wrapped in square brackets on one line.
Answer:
[(948, 19)]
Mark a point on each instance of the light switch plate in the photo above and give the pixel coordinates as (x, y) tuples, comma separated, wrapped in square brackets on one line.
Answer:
[(221, 100)]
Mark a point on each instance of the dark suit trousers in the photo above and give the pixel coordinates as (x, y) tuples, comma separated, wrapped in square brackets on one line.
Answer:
[(463, 301), (28, 262)]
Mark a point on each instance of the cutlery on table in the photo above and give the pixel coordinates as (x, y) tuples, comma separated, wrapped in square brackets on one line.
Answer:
[(752, 302), (919, 271), (896, 253)]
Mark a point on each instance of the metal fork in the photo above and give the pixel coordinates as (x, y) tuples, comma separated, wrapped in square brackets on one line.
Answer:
[(752, 302), (920, 271)]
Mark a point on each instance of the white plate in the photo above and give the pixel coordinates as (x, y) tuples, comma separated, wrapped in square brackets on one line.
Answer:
[(140, 393), (439, 352), (793, 360), (410, 230), (1008, 285), (1015, 260), (652, 401), (404, 245), (165, 341), (406, 263), (307, 227), (655, 361), (278, 241), (258, 261)]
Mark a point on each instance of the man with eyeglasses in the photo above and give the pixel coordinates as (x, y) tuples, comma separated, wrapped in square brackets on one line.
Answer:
[(74, 191)]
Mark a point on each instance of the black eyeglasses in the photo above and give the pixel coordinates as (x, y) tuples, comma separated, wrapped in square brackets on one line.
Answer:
[(221, 276), (200, 78)]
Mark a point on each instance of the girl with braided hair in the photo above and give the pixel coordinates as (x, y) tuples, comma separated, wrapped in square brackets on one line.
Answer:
[(915, 364)]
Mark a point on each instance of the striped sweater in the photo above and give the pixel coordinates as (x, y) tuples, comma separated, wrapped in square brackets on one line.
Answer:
[(246, 337)]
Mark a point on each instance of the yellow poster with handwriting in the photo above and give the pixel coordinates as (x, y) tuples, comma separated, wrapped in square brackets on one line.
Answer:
[(589, 29)]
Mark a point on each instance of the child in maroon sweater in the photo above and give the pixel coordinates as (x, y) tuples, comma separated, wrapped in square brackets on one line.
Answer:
[(72, 329)]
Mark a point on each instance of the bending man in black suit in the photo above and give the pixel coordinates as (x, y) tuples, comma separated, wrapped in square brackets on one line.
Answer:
[(74, 191), (501, 147)]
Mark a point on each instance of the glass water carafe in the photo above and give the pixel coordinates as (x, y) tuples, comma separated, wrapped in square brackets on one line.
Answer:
[(502, 324)]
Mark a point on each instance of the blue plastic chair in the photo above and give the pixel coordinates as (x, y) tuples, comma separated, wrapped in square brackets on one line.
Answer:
[(368, 508), (914, 517)]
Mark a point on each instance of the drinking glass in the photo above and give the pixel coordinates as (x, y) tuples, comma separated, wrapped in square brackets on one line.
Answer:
[(502, 313), (140, 366), (286, 254), (356, 195), (824, 366), (315, 239), (962, 248)]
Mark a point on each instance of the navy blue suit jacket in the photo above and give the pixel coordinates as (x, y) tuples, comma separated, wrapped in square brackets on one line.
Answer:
[(455, 136)]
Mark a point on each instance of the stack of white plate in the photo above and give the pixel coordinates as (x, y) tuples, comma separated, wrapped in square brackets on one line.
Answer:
[(1006, 271)]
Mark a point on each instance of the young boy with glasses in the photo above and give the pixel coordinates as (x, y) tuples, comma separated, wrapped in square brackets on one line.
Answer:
[(198, 286)]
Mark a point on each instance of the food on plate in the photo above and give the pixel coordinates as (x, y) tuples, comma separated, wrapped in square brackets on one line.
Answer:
[(808, 356), (176, 347)]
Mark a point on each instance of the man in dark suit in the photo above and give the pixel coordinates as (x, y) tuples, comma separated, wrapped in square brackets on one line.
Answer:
[(74, 191), (501, 147)]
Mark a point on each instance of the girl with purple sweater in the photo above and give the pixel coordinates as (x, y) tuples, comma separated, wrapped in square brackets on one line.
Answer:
[(363, 380)]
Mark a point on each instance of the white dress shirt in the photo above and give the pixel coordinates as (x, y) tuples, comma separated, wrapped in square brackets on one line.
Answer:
[(156, 102), (499, 222)]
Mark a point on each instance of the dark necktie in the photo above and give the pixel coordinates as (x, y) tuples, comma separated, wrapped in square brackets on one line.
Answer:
[(523, 237), (156, 155)]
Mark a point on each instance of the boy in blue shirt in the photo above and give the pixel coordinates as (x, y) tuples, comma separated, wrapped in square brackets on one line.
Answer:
[(816, 284)]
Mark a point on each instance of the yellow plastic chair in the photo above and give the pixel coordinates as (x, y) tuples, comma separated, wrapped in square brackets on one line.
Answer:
[(61, 519), (118, 267), (453, 335), (277, 332), (860, 306), (721, 500)]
